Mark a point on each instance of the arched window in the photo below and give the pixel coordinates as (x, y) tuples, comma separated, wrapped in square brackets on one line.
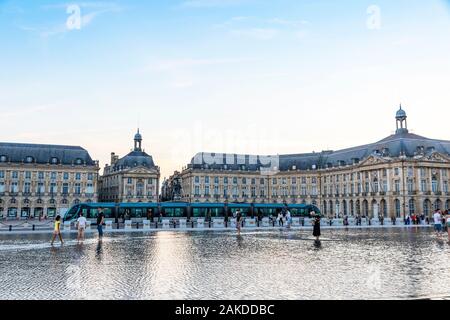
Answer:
[(438, 205), (427, 207), (397, 208), (29, 159), (412, 207)]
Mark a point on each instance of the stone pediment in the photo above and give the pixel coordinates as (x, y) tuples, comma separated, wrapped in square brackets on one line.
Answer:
[(437, 157), (373, 160), (142, 170)]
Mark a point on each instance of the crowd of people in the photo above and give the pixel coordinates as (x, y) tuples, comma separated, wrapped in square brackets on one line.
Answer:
[(441, 222)]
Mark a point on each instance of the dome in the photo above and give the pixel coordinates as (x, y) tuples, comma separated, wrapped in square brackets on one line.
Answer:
[(135, 159), (401, 114)]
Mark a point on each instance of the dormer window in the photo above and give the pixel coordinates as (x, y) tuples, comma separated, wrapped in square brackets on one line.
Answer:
[(3, 158), (54, 160), (78, 161), (29, 159)]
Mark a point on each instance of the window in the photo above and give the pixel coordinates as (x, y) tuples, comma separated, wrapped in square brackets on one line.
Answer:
[(262, 193), (66, 176), (54, 160), (284, 181), (423, 172), (274, 191), (434, 185), (396, 171), (65, 188), (3, 158), (294, 181), (261, 181), (253, 181), (225, 180), (423, 185), (77, 188), (197, 191), (303, 190), (27, 187), (77, 176), (412, 207), (225, 192), (2, 187), (2, 174), (206, 190), (397, 185), (197, 179), (130, 181), (40, 188), (90, 177), (385, 186), (410, 185), (445, 186), (53, 188), (40, 175), (216, 180), (294, 191), (206, 179), (79, 161), (235, 192), (216, 190), (244, 180), (366, 187), (53, 175), (234, 180), (274, 181), (444, 173), (29, 159), (15, 175), (410, 171)]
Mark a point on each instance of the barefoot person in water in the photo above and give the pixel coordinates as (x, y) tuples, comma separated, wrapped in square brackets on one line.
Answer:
[(57, 231), (316, 231), (238, 221)]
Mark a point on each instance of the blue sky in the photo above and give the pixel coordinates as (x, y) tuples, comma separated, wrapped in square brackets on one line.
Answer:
[(244, 76)]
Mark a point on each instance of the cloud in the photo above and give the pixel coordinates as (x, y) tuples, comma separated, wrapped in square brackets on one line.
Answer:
[(210, 3), (255, 33), (86, 18), (175, 64), (264, 29)]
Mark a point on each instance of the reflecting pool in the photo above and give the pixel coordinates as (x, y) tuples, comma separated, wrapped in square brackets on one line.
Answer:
[(348, 264)]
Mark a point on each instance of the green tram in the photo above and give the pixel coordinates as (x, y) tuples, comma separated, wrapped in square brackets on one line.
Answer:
[(137, 212)]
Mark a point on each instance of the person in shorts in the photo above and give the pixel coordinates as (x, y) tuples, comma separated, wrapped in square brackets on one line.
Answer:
[(81, 226), (437, 217), (57, 230)]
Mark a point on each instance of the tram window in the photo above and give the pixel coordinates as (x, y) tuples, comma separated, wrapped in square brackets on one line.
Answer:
[(174, 212)]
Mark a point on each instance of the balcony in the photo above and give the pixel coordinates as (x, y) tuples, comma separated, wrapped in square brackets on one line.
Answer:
[(438, 193), (412, 193), (427, 193), (382, 193)]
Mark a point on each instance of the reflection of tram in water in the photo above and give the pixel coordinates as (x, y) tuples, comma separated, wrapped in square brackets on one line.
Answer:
[(137, 212)]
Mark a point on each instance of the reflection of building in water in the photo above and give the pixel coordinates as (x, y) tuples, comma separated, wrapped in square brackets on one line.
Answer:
[(43, 180), (133, 178), (402, 173)]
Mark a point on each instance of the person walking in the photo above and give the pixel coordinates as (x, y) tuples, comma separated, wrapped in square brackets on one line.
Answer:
[(100, 222), (288, 219), (81, 226), (238, 221), (437, 222), (57, 230), (316, 230)]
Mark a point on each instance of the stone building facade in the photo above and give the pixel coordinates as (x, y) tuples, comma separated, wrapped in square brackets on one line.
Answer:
[(133, 178), (401, 174), (44, 180)]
